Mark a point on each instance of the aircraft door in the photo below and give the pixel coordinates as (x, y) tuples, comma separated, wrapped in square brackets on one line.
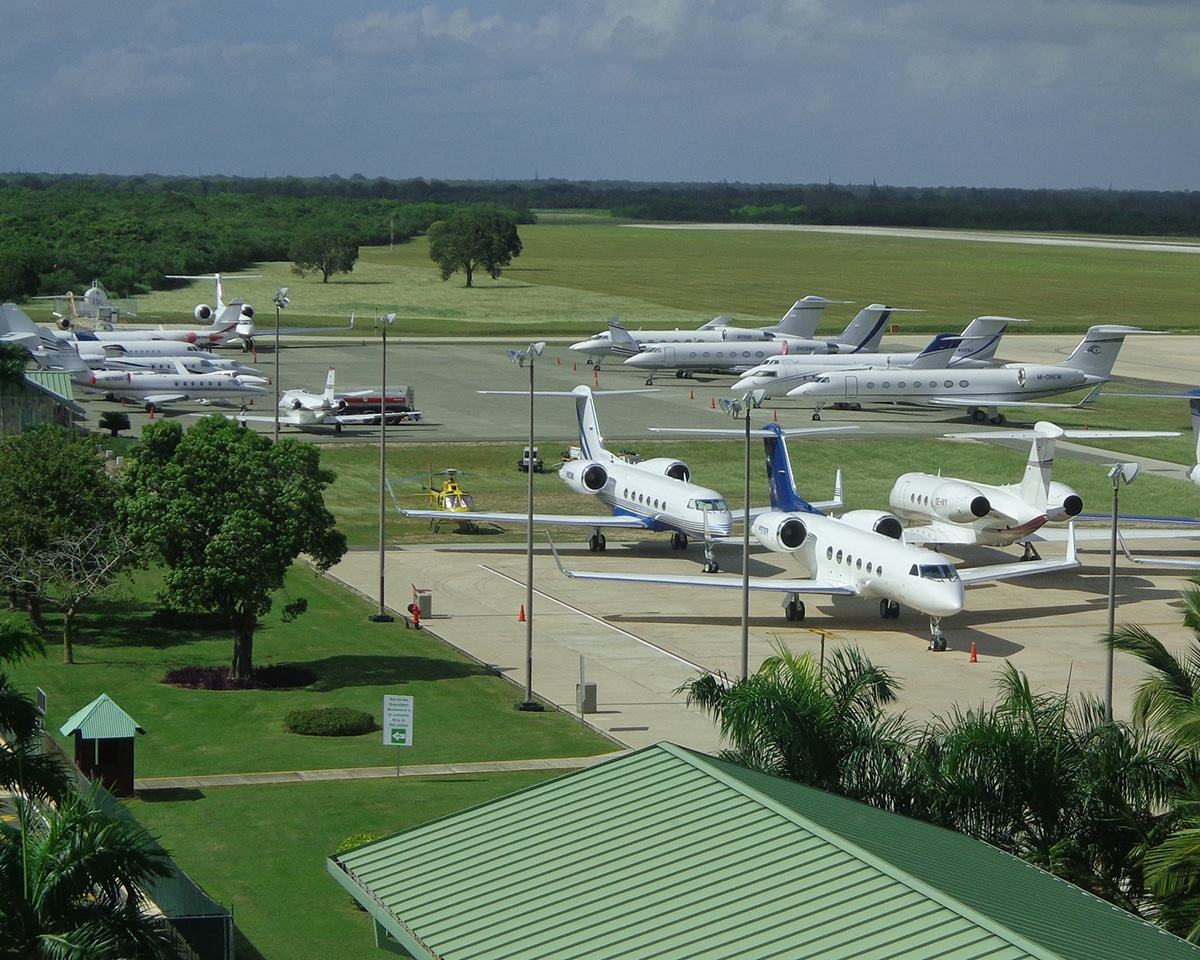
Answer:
[(851, 388), (668, 356)]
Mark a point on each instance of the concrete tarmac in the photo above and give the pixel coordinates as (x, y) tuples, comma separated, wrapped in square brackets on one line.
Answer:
[(640, 643)]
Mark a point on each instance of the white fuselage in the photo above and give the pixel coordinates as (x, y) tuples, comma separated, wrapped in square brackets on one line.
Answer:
[(870, 564), (776, 376), (725, 357), (168, 387), (601, 344), (1009, 384), (967, 512)]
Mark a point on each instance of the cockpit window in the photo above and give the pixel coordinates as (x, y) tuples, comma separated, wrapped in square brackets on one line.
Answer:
[(933, 571), (716, 506)]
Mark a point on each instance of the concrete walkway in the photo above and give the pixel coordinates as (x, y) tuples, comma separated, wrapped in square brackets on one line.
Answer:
[(367, 773)]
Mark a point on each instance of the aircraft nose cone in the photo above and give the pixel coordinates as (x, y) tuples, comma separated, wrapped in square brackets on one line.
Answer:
[(801, 391)]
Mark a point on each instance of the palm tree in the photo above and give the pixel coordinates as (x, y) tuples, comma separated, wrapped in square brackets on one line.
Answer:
[(70, 884), (25, 766), (821, 725)]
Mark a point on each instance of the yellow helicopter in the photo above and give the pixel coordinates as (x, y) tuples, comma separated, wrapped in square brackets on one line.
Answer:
[(451, 499)]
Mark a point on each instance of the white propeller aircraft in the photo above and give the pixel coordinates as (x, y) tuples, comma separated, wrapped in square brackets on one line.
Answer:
[(860, 554), (655, 494), (952, 511), (980, 391), (861, 336), (801, 320), (776, 376)]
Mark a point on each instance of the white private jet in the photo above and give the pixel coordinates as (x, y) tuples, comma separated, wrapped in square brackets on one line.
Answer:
[(154, 389), (776, 376), (655, 494), (860, 554), (245, 314), (980, 391), (861, 336), (16, 325), (303, 410), (801, 320), (953, 511)]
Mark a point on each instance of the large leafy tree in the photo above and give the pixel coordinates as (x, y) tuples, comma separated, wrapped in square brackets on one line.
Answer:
[(71, 878), (325, 252), (227, 512), (824, 725), (474, 238), (54, 494)]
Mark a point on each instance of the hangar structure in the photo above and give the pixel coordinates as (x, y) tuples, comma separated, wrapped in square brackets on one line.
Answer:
[(671, 854)]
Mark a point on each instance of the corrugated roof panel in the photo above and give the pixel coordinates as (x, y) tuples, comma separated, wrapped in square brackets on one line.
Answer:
[(101, 719), (652, 855)]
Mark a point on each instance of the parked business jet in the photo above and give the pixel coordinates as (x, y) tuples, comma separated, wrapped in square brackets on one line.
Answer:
[(949, 510), (301, 409), (860, 554), (154, 389), (656, 494), (15, 324), (800, 321), (980, 391), (776, 376), (861, 336)]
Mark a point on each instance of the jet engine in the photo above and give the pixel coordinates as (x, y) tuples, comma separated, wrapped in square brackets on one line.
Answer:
[(63, 323), (959, 502), (584, 476), (203, 312), (876, 521), (781, 532), (247, 311), (676, 469), (1062, 502)]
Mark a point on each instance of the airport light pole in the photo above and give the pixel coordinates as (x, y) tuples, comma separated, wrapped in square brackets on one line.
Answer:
[(1127, 473), (521, 357), (281, 301), (734, 408), (382, 616)]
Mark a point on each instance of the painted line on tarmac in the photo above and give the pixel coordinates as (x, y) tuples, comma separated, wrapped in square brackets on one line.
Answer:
[(604, 623)]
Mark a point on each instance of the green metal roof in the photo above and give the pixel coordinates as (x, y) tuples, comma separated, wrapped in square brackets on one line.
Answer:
[(58, 384), (101, 719), (668, 854)]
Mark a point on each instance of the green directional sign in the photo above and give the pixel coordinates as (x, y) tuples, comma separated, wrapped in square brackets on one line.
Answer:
[(397, 721)]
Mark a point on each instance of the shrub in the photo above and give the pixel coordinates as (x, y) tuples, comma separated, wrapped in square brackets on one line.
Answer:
[(355, 840), (329, 722), (281, 677)]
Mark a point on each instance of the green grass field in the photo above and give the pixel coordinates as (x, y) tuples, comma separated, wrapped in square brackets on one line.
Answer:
[(573, 275)]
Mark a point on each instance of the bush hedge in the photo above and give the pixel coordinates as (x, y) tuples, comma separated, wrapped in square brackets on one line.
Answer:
[(329, 722)]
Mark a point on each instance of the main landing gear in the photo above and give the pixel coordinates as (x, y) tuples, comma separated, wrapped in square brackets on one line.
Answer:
[(1030, 551), (990, 415), (597, 543), (793, 607)]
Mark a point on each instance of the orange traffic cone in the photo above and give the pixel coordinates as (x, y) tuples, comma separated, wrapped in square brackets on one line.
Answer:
[(712, 404), (558, 359), (521, 615), (974, 654), (691, 394), (574, 367), (774, 416), (151, 411)]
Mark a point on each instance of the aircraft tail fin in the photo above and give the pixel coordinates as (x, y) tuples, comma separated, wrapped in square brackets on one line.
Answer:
[(14, 320), (981, 338), (1194, 404), (1097, 351), (1035, 484), (865, 331), (716, 322), (623, 344), (938, 353), (803, 318), (327, 396), (591, 443), (780, 480)]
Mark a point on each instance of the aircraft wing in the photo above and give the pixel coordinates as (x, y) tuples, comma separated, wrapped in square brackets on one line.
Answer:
[(972, 576), (157, 397), (555, 519), (778, 585), (940, 533), (373, 418)]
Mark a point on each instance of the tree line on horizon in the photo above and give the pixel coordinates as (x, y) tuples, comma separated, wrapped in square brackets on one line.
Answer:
[(58, 232)]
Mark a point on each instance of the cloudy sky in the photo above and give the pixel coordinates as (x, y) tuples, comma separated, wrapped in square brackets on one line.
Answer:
[(994, 93)]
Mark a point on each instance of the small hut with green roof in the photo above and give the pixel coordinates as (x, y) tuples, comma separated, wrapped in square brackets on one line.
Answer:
[(104, 744)]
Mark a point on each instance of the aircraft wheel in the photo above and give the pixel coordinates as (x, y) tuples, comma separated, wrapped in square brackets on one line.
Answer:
[(816, 416), (856, 407), (893, 610), (996, 420), (337, 428), (979, 416), (883, 609), (594, 543), (649, 381), (678, 374), (603, 542), (938, 644), (794, 610), (710, 567)]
